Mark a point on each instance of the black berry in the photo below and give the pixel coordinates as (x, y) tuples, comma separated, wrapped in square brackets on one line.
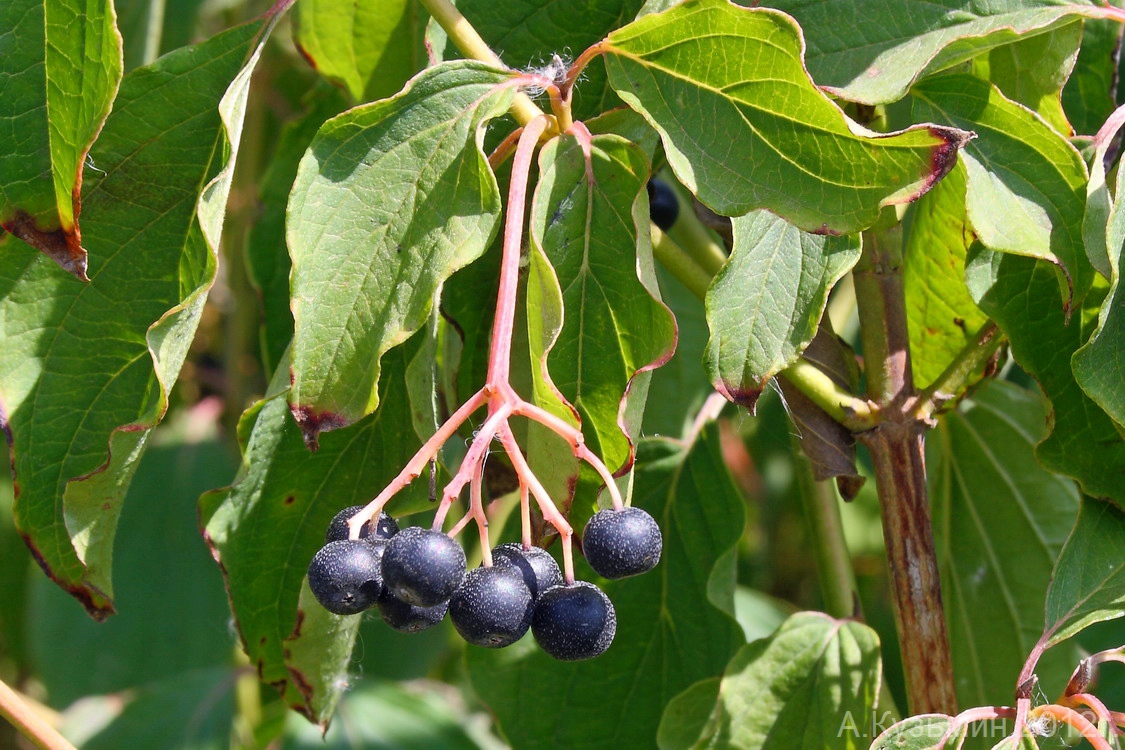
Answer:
[(574, 622), (408, 618), (492, 607), (422, 566), (663, 208), (345, 576), (622, 543), (539, 569), (338, 528)]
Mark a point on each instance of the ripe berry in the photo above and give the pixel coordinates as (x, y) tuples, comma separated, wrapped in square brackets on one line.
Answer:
[(622, 543), (574, 622), (338, 528), (663, 208), (422, 566), (493, 606), (539, 569), (345, 576), (407, 618)]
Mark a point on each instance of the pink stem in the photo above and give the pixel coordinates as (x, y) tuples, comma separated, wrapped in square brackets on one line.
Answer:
[(498, 414), (1094, 704), (414, 467), (546, 505), (1068, 715), (499, 355), (577, 442), (476, 509), (525, 514)]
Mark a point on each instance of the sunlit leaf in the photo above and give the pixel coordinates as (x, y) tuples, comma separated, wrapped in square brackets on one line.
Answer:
[(60, 66), (801, 687), (273, 519), (765, 305), (589, 231), (744, 127), (671, 631), (923, 732), (903, 43), (1089, 581), (1034, 69), (1022, 295), (390, 199), (1032, 209), (940, 313), (1000, 521), (1098, 365), (369, 49), (86, 368)]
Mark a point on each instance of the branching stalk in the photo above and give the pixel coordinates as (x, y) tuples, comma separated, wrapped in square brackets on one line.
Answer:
[(29, 723), (967, 362)]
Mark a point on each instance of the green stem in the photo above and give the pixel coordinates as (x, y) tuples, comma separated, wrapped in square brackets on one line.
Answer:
[(470, 43), (897, 450), (826, 530), (697, 240), (853, 413), (29, 723), (964, 366), (680, 264), (154, 31)]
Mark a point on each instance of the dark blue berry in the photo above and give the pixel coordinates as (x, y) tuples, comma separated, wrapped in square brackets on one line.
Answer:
[(663, 208), (573, 622), (408, 618), (539, 569), (622, 543), (338, 528), (493, 606), (345, 576), (422, 566)]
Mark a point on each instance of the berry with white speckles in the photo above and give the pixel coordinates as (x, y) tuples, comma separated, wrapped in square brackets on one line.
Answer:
[(422, 566), (573, 622), (408, 618), (622, 543), (338, 528), (345, 576), (539, 569), (493, 606)]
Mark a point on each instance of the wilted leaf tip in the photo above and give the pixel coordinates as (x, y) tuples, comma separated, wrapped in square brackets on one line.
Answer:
[(312, 423), (61, 246)]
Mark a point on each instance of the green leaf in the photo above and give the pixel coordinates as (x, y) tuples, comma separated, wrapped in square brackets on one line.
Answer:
[(368, 49), (192, 710), (1022, 295), (672, 631), (1000, 521), (1098, 365), (590, 245), (923, 732), (1034, 69), (527, 33), (150, 29), (61, 66), (1088, 97), (744, 126), (1025, 180), (267, 259), (390, 199), (765, 305), (801, 687), (902, 45), (265, 529), (689, 715), (1089, 581), (381, 715), (940, 313), (163, 555), (86, 368)]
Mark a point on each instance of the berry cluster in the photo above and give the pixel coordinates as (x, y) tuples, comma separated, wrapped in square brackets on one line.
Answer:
[(416, 576)]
